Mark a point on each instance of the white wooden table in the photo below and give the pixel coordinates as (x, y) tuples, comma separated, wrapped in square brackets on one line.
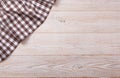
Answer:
[(80, 38)]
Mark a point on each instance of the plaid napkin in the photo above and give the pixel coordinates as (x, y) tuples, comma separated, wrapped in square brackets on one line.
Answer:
[(18, 19)]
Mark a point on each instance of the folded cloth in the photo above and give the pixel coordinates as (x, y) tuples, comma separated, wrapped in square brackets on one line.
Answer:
[(18, 19), (8, 43)]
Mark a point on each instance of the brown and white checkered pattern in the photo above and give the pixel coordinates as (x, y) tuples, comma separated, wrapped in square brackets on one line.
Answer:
[(18, 19)]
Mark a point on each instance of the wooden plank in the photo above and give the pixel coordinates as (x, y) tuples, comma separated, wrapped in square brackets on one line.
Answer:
[(70, 44), (81, 22), (61, 66), (87, 5)]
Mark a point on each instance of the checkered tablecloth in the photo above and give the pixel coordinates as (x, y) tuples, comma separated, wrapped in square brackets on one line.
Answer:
[(18, 19)]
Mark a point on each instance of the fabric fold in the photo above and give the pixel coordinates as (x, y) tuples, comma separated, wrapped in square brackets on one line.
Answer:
[(19, 19), (8, 43)]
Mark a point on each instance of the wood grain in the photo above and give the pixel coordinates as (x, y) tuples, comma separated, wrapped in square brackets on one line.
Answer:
[(87, 5), (70, 44), (80, 38), (61, 66), (82, 22)]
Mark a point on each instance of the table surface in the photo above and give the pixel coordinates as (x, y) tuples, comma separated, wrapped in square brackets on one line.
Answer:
[(80, 38)]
